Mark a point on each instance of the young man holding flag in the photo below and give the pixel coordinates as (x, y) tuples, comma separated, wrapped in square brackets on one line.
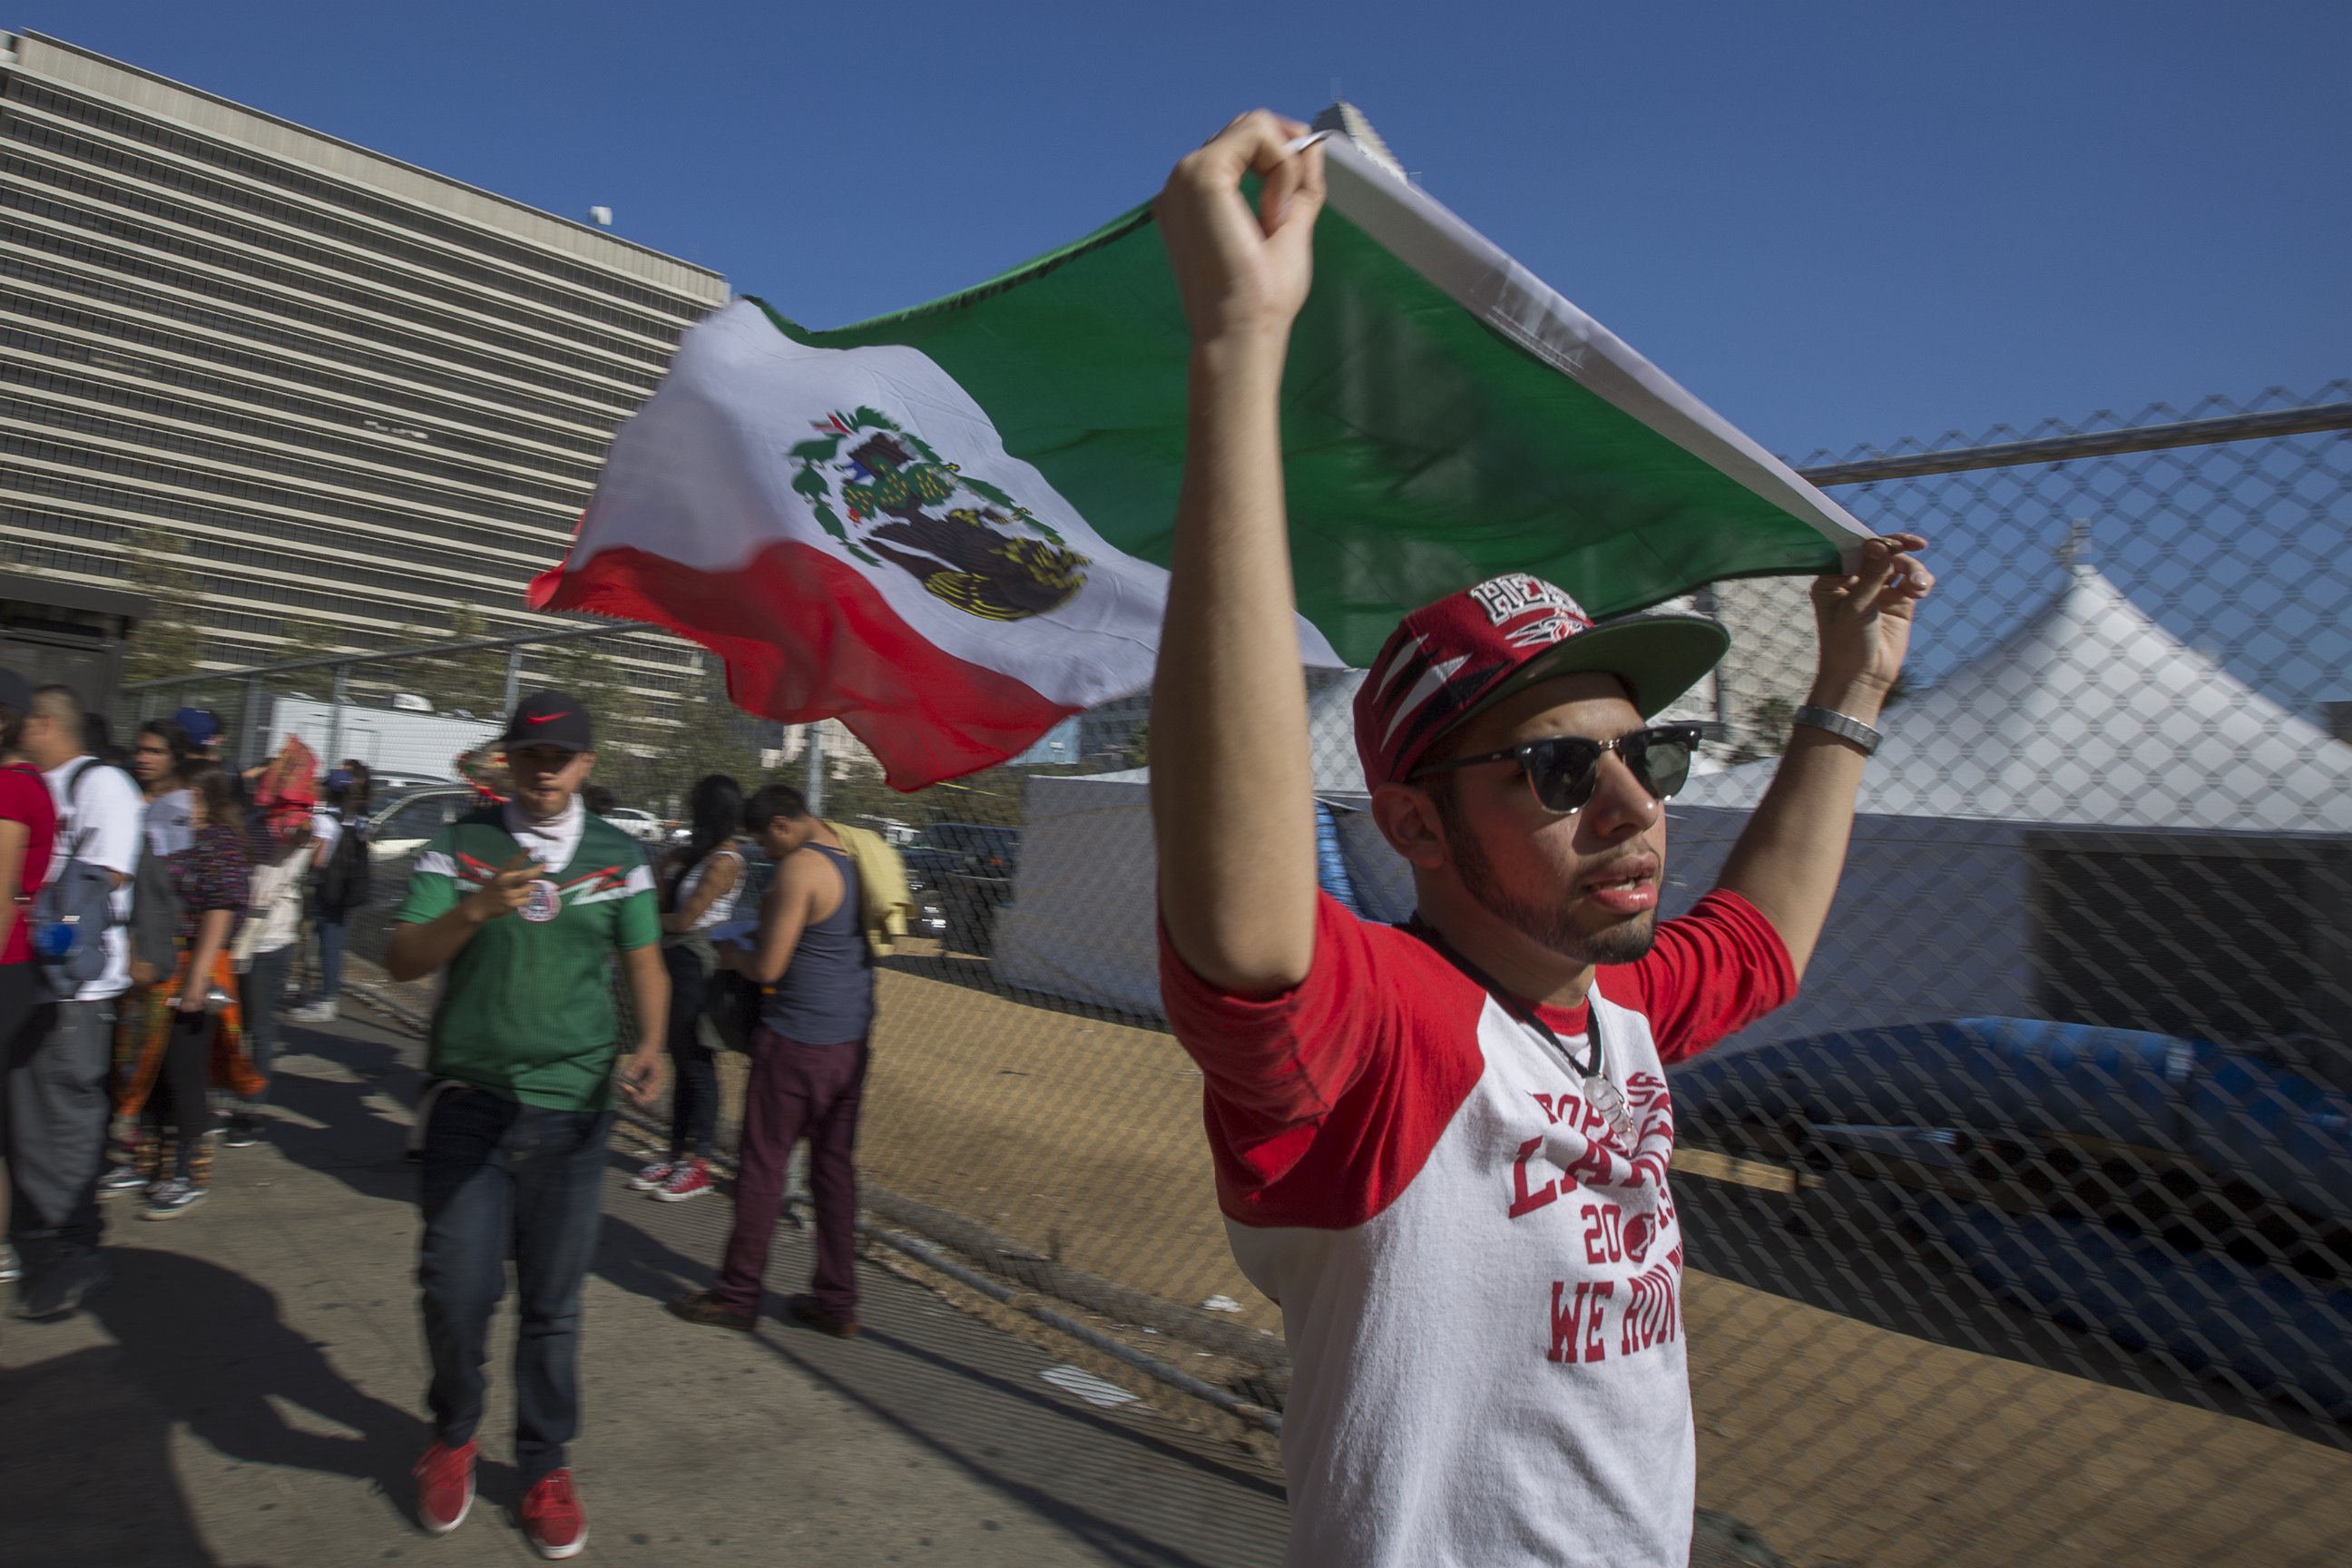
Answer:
[(524, 904), (1443, 1148)]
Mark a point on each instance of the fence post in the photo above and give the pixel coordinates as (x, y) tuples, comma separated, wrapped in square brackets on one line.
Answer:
[(815, 768), (253, 745), (514, 680), (335, 716)]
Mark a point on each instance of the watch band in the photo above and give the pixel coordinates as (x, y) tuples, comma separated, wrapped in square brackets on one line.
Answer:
[(1838, 724)]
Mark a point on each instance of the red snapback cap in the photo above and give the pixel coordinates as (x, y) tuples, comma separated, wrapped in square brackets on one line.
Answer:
[(1449, 662)]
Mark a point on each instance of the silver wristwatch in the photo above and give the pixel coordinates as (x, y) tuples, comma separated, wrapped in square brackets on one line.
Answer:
[(1838, 724)]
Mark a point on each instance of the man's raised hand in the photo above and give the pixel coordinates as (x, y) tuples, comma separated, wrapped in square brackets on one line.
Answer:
[(1866, 623), (1242, 272), (506, 891)]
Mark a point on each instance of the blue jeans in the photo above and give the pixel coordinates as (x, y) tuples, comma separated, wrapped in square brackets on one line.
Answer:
[(501, 1179), (694, 1084), (330, 955)]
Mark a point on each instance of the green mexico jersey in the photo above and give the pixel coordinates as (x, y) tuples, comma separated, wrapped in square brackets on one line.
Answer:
[(526, 1008)]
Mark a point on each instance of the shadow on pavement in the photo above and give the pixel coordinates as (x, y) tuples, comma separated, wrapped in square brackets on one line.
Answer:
[(950, 1382), (952, 1385), (93, 1481)]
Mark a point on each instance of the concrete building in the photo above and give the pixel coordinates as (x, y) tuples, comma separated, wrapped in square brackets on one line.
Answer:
[(363, 394)]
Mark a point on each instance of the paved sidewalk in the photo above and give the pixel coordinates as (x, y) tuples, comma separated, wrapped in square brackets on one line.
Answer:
[(248, 1390)]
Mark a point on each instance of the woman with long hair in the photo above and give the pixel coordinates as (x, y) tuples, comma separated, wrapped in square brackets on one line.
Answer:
[(187, 1030), (29, 834), (704, 881)]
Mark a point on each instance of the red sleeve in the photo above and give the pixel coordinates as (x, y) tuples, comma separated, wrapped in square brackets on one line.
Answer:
[(24, 798), (1712, 972), (1323, 1102)]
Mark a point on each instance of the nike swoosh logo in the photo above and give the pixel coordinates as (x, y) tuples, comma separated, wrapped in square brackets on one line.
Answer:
[(543, 718)]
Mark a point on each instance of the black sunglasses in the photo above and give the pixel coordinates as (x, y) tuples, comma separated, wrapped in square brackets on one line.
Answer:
[(1565, 768)]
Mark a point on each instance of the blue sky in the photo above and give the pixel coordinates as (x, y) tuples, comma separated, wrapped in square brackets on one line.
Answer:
[(1837, 223)]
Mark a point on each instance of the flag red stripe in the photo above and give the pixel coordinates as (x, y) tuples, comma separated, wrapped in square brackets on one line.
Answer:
[(805, 636)]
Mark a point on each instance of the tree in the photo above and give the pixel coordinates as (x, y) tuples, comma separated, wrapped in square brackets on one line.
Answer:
[(1768, 721), (473, 683), (171, 639), (712, 735)]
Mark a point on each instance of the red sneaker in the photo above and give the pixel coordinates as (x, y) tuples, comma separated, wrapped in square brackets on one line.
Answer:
[(551, 1520), (687, 1179), (445, 1486), (649, 1178)]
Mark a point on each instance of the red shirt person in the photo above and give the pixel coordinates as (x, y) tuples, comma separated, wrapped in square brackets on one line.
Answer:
[(1443, 1148), (28, 832)]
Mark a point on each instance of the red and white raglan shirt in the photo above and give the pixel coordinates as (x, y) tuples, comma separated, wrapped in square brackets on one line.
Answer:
[(1480, 1277)]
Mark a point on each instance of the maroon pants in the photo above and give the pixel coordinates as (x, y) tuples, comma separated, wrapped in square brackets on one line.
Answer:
[(797, 1088)]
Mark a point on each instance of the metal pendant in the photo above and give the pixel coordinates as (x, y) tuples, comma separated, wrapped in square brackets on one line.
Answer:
[(1609, 1101)]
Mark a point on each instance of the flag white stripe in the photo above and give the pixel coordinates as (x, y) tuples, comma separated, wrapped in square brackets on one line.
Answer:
[(1482, 278)]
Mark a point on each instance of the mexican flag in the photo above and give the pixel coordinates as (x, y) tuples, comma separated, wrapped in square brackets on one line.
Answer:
[(950, 527)]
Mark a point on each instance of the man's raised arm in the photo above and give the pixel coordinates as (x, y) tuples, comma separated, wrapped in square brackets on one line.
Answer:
[(1788, 860), (1231, 780)]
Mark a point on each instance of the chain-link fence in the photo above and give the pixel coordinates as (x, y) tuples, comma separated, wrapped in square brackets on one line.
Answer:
[(2025, 1234)]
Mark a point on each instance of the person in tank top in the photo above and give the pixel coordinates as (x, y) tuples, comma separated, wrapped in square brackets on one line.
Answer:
[(808, 1068)]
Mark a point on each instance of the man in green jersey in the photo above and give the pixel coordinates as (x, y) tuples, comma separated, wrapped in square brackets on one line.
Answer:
[(524, 905)]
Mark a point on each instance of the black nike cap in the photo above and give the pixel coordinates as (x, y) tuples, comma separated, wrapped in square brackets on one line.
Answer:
[(549, 719)]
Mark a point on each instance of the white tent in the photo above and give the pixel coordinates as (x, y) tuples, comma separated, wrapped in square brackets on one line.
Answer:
[(2091, 720), (2090, 716), (1082, 925)]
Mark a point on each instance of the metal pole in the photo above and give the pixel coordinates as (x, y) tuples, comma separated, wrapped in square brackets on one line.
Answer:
[(335, 722), (254, 747), (514, 680), (815, 768)]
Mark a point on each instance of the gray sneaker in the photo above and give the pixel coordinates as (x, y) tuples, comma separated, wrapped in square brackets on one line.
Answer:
[(12, 1267), (123, 1178), (171, 1199), (314, 1013)]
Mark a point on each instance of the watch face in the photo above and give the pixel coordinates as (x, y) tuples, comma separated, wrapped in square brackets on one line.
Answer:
[(544, 902)]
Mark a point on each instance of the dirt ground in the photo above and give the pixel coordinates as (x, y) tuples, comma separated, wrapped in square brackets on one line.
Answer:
[(1842, 1442)]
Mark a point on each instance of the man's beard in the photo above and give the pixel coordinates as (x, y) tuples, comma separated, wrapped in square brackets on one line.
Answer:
[(1553, 925)]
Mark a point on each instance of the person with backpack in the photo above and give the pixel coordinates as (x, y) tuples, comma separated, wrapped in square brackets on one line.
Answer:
[(339, 827), (285, 846), (28, 833), (809, 1056), (186, 1030), (699, 890), (56, 1091)]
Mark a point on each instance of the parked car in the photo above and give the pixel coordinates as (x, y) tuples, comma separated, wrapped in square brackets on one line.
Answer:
[(402, 826), (959, 874), (409, 783), (640, 824)]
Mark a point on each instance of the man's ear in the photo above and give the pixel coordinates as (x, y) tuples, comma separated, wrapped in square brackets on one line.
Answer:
[(1408, 820)]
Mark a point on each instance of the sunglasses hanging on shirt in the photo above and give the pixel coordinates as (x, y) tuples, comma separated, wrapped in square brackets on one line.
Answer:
[(1600, 1093)]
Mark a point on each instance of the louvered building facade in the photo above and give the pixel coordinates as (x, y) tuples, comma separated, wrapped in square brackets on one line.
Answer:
[(364, 393)]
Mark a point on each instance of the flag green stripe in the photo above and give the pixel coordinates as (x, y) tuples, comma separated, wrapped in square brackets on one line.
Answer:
[(1422, 450)]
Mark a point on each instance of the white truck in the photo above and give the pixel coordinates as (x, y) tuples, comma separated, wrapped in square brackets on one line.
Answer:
[(397, 745)]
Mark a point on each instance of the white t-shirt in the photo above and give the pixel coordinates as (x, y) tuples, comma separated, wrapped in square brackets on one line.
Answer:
[(171, 822), (107, 806), (1479, 1267), (326, 826), (722, 907)]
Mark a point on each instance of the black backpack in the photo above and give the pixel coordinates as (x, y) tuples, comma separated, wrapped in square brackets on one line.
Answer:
[(73, 910), (343, 880)]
